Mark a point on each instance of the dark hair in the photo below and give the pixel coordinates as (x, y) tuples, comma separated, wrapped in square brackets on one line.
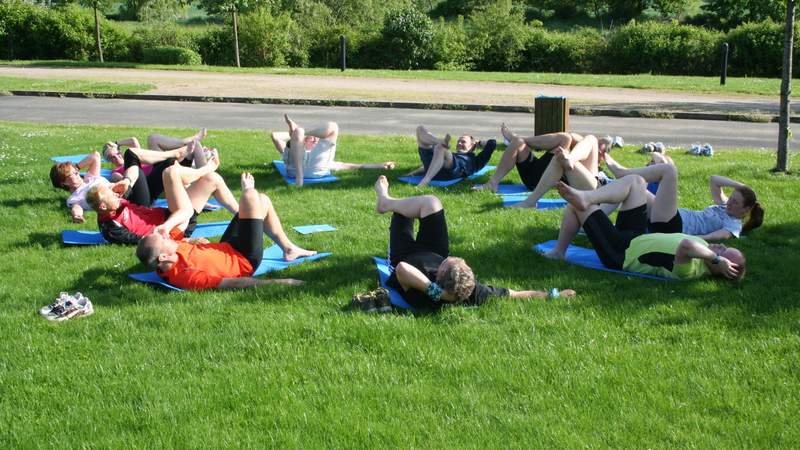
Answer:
[(59, 173), (756, 216), (147, 252)]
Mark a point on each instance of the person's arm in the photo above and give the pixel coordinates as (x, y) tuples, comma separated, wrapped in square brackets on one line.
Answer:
[(539, 294), (130, 142), (77, 213), (92, 163), (179, 218), (410, 277), (486, 154), (718, 235), (117, 234), (418, 171), (715, 185), (249, 282), (689, 249)]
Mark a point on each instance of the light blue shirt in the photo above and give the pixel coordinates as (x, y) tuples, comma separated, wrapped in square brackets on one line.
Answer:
[(713, 218)]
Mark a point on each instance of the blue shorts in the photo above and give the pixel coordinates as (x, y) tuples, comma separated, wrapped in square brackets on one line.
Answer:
[(463, 165)]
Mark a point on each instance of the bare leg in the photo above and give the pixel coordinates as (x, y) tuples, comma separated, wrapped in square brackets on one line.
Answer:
[(161, 142), (553, 173), (189, 175), (154, 156), (631, 189), (516, 151), (338, 165), (570, 225), (665, 204), (442, 158), (180, 206), (296, 153), (279, 140), (329, 130), (585, 153), (426, 139), (411, 207), (212, 184)]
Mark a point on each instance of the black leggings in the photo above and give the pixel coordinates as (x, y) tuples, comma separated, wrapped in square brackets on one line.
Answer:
[(431, 237), (610, 241), (147, 189), (247, 237)]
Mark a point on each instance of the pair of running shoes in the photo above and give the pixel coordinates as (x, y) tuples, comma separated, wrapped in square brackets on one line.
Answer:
[(67, 307)]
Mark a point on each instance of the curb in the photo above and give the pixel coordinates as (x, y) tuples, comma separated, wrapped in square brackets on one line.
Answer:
[(581, 110)]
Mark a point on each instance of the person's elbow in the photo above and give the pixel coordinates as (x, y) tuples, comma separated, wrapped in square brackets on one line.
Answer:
[(684, 248)]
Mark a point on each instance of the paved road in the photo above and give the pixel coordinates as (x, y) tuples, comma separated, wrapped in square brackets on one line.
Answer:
[(679, 133)]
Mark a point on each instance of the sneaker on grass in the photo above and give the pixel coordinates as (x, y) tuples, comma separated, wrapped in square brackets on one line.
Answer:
[(62, 297), (364, 301), (77, 306), (382, 303)]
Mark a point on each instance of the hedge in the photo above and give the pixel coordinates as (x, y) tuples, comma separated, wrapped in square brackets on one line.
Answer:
[(495, 37)]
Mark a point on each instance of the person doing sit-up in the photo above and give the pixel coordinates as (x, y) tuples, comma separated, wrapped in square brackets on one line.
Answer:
[(439, 163), (568, 157), (424, 272), (125, 222), (312, 153), (625, 246), (229, 263), (113, 151)]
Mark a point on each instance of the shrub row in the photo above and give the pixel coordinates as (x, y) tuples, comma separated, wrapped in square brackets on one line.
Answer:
[(492, 38)]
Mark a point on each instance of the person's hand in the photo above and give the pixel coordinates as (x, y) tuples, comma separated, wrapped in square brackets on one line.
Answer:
[(567, 293), (78, 218), (197, 240), (287, 281), (248, 182), (729, 269), (163, 231), (121, 187)]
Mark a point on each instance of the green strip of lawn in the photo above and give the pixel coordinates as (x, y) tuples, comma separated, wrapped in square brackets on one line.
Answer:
[(627, 363), (735, 85), (97, 87)]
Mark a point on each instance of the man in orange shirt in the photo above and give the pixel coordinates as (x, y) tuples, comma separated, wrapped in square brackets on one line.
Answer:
[(229, 263)]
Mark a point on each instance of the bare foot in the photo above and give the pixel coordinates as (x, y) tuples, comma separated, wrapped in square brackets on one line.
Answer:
[(567, 293), (382, 194), (572, 196), (212, 164), (286, 281), (526, 204), (294, 252), (247, 181), (506, 132), (554, 254), (200, 135), (290, 122), (389, 165), (562, 159), (446, 140), (490, 186)]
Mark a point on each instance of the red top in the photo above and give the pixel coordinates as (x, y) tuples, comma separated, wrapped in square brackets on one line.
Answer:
[(203, 266), (139, 220)]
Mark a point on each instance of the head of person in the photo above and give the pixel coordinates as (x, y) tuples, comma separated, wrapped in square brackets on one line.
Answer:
[(102, 199), (466, 143), (308, 142), (731, 254), (111, 154), (65, 176), (156, 251), (604, 144), (743, 203), (455, 277)]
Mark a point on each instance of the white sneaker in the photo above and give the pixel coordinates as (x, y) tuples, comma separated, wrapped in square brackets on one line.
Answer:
[(62, 297), (76, 306), (707, 150)]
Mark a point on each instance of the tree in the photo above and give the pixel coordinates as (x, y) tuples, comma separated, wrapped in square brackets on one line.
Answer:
[(97, 5), (786, 90), (728, 14), (232, 7)]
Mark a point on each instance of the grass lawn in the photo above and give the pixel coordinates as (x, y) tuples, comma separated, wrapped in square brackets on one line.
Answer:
[(627, 363), (735, 85), (99, 87)]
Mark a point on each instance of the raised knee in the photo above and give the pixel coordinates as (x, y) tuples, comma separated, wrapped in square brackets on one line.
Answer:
[(433, 204), (299, 133), (171, 172), (516, 144), (265, 201), (333, 127), (638, 180)]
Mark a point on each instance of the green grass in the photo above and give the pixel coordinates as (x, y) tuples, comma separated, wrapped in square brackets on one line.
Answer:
[(97, 87), (627, 363), (735, 85)]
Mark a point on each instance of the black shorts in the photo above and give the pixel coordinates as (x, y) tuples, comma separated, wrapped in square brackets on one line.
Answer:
[(147, 188), (431, 237), (610, 241), (532, 169), (675, 225), (191, 226), (247, 237)]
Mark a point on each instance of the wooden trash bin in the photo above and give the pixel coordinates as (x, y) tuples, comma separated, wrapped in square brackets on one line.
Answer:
[(550, 115)]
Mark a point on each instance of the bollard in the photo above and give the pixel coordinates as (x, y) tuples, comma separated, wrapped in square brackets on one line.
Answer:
[(343, 51), (724, 75)]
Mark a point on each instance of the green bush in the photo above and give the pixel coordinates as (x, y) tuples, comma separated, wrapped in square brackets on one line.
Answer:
[(450, 42), (577, 51), (663, 49), (756, 49), (268, 41), (216, 46), (166, 54), (407, 37), (497, 36)]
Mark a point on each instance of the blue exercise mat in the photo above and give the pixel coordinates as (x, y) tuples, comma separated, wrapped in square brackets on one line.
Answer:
[(211, 204), (74, 159), (508, 189), (272, 261), (383, 275), (80, 237), (543, 203), (308, 229), (282, 169), (417, 178), (587, 257)]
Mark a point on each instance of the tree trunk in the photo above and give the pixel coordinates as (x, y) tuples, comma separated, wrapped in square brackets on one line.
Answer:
[(236, 38), (97, 33), (786, 90)]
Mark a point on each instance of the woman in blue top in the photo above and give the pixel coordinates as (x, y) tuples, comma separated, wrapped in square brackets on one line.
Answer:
[(439, 163)]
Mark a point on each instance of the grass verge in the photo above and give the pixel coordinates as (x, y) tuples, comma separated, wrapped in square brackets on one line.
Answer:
[(98, 87), (627, 363)]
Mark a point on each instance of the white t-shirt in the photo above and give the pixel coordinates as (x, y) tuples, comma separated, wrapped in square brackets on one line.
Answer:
[(713, 218), (316, 162), (78, 197)]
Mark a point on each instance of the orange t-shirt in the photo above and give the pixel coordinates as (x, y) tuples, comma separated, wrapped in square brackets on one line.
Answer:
[(203, 266)]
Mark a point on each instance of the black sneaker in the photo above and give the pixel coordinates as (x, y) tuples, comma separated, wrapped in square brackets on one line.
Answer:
[(364, 302), (382, 303)]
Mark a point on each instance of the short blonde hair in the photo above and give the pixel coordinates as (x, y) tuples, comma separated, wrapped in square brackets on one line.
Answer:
[(457, 279), (93, 197), (108, 146)]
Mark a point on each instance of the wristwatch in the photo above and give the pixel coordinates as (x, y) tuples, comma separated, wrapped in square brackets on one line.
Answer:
[(716, 260)]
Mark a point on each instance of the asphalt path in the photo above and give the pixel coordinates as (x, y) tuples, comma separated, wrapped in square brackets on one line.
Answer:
[(375, 121)]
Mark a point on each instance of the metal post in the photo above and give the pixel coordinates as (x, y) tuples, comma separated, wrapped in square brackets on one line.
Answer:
[(724, 75), (343, 51)]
